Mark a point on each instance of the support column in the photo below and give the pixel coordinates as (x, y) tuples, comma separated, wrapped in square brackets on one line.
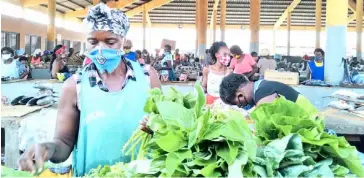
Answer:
[(222, 19), (51, 30), (318, 22), (359, 27), (254, 25), (214, 21), (144, 27), (289, 34), (203, 10), (336, 26), (274, 42), (197, 25)]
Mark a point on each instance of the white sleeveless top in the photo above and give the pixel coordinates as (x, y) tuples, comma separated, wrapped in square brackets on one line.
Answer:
[(213, 83), (9, 70)]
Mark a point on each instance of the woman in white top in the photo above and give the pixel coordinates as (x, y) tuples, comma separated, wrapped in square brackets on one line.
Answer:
[(213, 74), (266, 63)]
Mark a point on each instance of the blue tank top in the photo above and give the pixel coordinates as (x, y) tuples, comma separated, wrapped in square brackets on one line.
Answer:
[(107, 121), (317, 72)]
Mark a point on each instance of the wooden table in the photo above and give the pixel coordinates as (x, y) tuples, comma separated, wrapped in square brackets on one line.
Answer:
[(11, 117)]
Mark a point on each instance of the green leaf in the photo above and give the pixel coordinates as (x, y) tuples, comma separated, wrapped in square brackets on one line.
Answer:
[(173, 141), (200, 128), (174, 160), (201, 100), (228, 152), (175, 114), (210, 171), (236, 168), (294, 171)]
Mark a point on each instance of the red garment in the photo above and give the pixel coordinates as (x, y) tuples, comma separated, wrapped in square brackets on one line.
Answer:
[(35, 60), (61, 50), (210, 99), (244, 66)]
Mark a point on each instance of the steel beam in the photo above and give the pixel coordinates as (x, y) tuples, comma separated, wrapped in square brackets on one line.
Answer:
[(283, 17)]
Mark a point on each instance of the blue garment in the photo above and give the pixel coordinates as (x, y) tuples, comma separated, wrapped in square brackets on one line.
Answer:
[(317, 73), (106, 60), (107, 121), (131, 56)]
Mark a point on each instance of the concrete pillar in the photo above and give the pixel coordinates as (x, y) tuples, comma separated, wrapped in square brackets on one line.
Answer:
[(214, 21), (51, 30), (144, 27), (359, 27), (254, 25), (203, 10), (336, 26), (197, 26), (289, 34), (274, 42), (318, 22), (222, 19)]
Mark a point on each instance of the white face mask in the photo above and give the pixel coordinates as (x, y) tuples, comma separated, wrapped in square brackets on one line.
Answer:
[(5, 57)]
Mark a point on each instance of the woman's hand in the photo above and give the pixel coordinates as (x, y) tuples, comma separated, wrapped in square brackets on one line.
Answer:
[(35, 156), (143, 125)]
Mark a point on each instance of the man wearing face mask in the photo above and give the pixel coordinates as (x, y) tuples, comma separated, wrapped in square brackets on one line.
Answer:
[(167, 65), (316, 67), (10, 67), (99, 108), (217, 69), (131, 55)]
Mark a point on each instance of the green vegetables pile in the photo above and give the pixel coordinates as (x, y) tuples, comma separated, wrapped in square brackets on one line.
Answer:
[(189, 140), (296, 144), (9, 172)]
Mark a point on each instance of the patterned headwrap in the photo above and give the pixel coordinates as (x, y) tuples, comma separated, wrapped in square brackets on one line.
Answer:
[(61, 50), (103, 18)]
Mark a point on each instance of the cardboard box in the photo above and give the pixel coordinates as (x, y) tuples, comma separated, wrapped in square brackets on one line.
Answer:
[(289, 78)]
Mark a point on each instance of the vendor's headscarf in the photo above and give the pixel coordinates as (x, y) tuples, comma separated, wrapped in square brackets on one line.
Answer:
[(61, 50), (20, 52), (103, 18)]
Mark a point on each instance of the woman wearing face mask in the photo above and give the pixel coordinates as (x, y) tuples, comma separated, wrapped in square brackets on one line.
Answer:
[(59, 61), (316, 67), (213, 74), (10, 67), (243, 63), (99, 108)]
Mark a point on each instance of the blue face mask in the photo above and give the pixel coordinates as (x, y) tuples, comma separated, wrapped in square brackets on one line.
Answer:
[(317, 58), (106, 60)]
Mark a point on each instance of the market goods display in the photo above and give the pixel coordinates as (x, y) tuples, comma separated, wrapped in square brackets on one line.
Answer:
[(310, 150)]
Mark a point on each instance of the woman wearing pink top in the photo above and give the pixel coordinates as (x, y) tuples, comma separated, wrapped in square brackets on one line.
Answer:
[(243, 63)]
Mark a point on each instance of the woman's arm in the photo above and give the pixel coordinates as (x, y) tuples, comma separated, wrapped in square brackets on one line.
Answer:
[(154, 80), (67, 123), (55, 69), (254, 70), (205, 72)]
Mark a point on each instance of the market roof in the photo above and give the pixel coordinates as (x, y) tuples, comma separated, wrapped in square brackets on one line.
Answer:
[(183, 11)]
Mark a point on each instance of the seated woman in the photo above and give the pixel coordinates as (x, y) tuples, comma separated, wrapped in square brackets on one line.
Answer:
[(36, 57), (58, 67)]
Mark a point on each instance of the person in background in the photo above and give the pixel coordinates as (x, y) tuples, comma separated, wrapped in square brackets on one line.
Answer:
[(255, 56), (266, 63), (70, 52), (213, 74), (243, 63), (58, 64), (24, 70), (139, 57), (177, 55), (131, 55), (146, 56), (167, 65), (316, 67), (236, 89), (36, 56), (9, 66), (207, 58), (20, 52), (99, 109)]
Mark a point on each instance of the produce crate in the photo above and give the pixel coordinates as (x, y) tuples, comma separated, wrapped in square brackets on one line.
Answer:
[(289, 78)]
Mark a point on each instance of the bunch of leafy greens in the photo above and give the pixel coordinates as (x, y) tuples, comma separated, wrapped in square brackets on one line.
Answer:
[(116, 170), (190, 140), (319, 153), (9, 172)]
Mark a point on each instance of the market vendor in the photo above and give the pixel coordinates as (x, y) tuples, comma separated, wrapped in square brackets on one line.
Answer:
[(316, 67), (58, 65), (99, 108), (217, 69), (236, 89), (11, 68), (243, 63), (129, 54)]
